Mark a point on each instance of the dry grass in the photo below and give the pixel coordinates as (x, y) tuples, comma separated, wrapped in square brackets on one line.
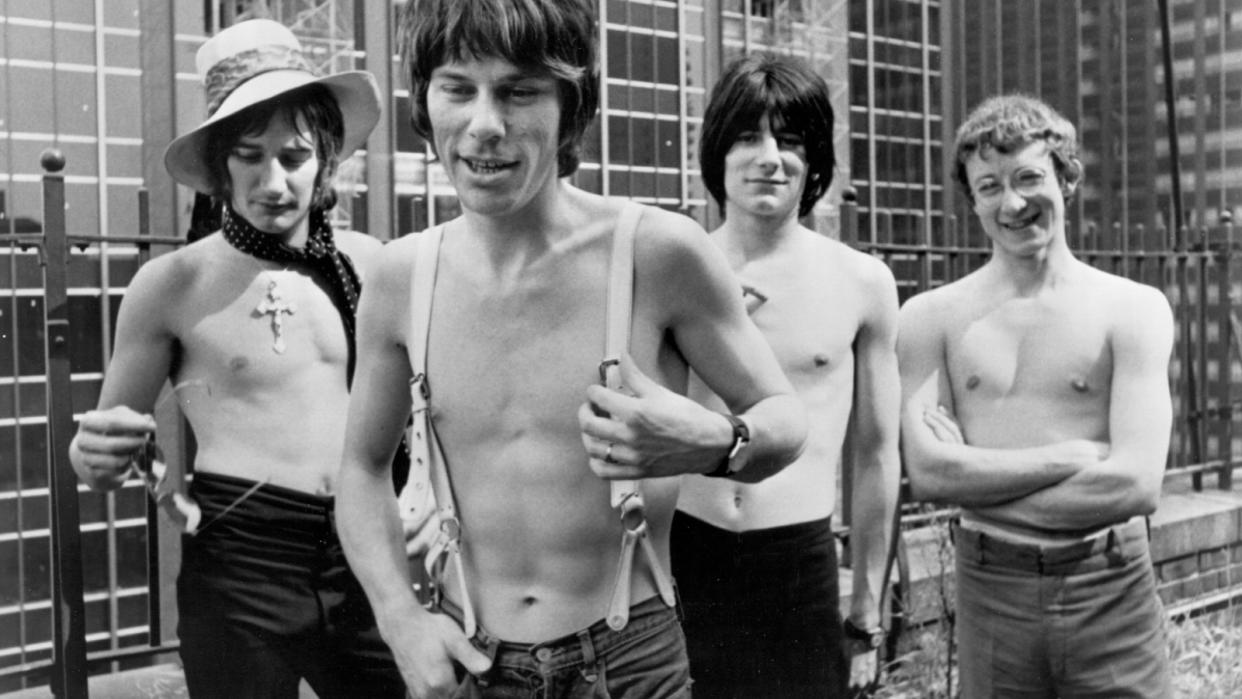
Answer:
[(1207, 659), (1206, 656)]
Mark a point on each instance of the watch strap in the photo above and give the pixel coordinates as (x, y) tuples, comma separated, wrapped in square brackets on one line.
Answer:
[(873, 638), (741, 437)]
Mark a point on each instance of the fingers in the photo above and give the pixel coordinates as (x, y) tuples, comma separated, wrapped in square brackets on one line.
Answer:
[(863, 669), (118, 420), (633, 378), (461, 650), (943, 426), (608, 459), (597, 427)]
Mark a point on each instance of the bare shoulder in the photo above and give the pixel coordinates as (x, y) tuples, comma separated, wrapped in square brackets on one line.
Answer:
[(666, 240), (360, 247), (392, 263), (172, 274), (865, 269), (941, 303), (1130, 303)]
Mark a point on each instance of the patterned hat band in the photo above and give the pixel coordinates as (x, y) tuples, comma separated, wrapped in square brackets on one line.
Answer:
[(228, 73)]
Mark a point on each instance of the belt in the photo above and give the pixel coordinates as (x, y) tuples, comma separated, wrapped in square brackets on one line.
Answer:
[(1047, 558)]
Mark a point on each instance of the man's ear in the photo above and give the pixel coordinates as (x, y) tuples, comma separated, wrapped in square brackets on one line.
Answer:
[(1072, 178)]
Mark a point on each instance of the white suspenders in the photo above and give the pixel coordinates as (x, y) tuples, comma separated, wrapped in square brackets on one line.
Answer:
[(627, 497), (424, 447)]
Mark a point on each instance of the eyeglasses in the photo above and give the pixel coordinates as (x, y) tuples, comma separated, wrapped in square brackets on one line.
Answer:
[(149, 465), (1026, 183)]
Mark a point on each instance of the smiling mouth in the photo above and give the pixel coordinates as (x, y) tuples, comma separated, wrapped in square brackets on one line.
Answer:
[(772, 182), (487, 167), (1021, 223)]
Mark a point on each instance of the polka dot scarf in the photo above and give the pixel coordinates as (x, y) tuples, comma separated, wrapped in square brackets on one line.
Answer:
[(320, 255)]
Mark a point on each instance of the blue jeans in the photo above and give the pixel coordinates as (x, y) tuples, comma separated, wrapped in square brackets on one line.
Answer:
[(762, 614), (1073, 621), (645, 660)]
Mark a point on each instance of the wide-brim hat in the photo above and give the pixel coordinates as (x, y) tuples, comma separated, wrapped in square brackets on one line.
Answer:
[(256, 61)]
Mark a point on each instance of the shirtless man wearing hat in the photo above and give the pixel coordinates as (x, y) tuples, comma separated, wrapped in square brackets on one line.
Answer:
[(255, 322)]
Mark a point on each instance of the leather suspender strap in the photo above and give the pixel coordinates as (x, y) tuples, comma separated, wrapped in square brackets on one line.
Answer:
[(425, 450), (627, 496)]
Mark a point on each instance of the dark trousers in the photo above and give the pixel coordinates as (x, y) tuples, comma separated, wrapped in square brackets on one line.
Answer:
[(1077, 621), (265, 599), (761, 612)]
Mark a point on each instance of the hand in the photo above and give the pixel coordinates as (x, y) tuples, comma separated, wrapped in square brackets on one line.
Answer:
[(649, 431), (426, 646), (943, 425), (106, 443), (864, 667)]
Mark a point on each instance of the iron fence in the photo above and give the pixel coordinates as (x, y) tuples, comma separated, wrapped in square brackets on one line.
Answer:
[(1193, 266)]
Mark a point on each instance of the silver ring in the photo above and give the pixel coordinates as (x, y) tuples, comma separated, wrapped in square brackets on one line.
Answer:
[(608, 454)]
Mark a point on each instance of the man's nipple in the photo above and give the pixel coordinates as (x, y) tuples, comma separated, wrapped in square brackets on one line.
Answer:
[(1080, 385), (972, 383)]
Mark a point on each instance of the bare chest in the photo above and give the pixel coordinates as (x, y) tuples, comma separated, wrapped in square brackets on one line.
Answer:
[(1059, 357), (261, 328), (811, 326)]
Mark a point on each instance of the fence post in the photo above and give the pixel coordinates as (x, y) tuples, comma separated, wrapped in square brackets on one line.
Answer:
[(848, 216), (1224, 477), (69, 609)]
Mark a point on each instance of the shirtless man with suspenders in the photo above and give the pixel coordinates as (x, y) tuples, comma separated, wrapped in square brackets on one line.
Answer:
[(493, 328)]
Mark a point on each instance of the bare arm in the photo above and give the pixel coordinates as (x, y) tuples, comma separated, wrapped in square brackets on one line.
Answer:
[(874, 455), (661, 433), (372, 536), (1127, 483), (949, 470), (141, 360)]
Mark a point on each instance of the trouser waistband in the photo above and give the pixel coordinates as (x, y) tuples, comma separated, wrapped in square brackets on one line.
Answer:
[(577, 648), (1121, 541)]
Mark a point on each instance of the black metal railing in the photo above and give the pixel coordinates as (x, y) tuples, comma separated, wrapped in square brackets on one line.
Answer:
[(70, 663), (1192, 266)]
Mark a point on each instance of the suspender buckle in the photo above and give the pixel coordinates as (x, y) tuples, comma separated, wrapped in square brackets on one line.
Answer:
[(604, 366), (424, 388)]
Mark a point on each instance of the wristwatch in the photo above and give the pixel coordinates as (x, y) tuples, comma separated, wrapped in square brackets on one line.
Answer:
[(731, 464), (872, 638)]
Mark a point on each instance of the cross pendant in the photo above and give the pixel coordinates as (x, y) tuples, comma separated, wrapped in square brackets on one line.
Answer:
[(276, 305)]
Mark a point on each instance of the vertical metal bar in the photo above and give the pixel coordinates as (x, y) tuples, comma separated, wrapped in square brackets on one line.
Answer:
[(683, 165), (925, 251), (152, 512), (1224, 477), (1190, 400), (382, 143), (872, 179), (1198, 350), (68, 610), (604, 155), (1170, 107)]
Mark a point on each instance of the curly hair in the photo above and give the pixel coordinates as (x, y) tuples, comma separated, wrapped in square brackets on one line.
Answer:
[(1008, 123)]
